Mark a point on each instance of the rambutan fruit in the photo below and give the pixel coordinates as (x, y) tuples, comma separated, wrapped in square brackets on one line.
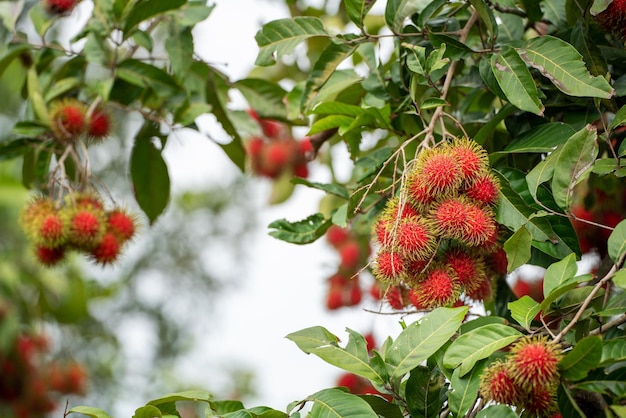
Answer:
[(441, 288), (415, 271), (350, 381), (107, 249), (121, 224), (480, 290), (416, 300), (334, 298), (418, 191), (355, 293), (533, 362), (389, 266), (613, 18), (99, 124), (439, 169), (469, 269), (397, 297), (34, 211), (52, 230), (480, 226), (254, 146), (484, 188), (60, 7), (496, 384), (336, 235), (415, 238), (68, 119), (301, 170), (49, 256), (540, 401), (305, 146), (375, 291), (86, 224), (499, 261), (470, 156), (350, 254), (451, 218)]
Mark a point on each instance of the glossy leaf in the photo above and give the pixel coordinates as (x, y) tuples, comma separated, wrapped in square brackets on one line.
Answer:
[(619, 279), (354, 358), (543, 138), (477, 344), (358, 9), (89, 411), (497, 411), (567, 404), (382, 407), (617, 242), (280, 37), (337, 403), (328, 61), (423, 338), (572, 164), (559, 61), (266, 98), (398, 10), (300, 232), (613, 351), (148, 411), (188, 395), (425, 392), (515, 80), (179, 47), (583, 357), (146, 9), (464, 390), (517, 248), (559, 273), (145, 75), (151, 182), (524, 310), (36, 97), (15, 148), (329, 188), (486, 16), (542, 172)]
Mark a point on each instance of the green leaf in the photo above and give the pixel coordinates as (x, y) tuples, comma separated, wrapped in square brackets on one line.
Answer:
[(619, 279), (515, 81), (573, 163), (371, 163), (613, 351), (16, 148), (559, 61), (617, 242), (36, 97), (354, 358), (187, 114), (425, 392), (464, 390), (524, 310), (358, 9), (61, 87), (265, 97), (280, 37), (619, 118), (89, 411), (567, 404), (497, 411), (517, 248), (188, 395), (423, 338), (382, 407), (148, 411), (583, 357), (146, 9), (397, 11), (300, 232), (328, 61), (542, 172), (337, 403), (433, 103), (559, 273), (543, 138), (486, 16), (194, 13), (151, 182), (179, 47), (147, 76), (478, 344), (329, 188)]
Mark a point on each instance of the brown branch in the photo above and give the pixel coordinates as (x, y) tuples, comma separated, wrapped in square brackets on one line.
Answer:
[(614, 323), (318, 139)]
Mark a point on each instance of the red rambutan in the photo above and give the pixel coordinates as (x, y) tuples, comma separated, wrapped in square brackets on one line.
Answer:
[(99, 124), (389, 266), (106, 250), (540, 401), (470, 270), (480, 289), (415, 238), (60, 6), (121, 224), (440, 288), (68, 119), (484, 188), (418, 191), (451, 218), (496, 384), (439, 170), (52, 231), (613, 18), (471, 157), (396, 297), (480, 226), (533, 362), (334, 298), (254, 146), (336, 235), (49, 256), (86, 228), (350, 254)]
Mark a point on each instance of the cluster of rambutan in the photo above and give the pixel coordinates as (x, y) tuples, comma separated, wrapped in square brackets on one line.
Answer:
[(82, 223), (276, 152), (344, 288), (438, 239), (527, 379), (71, 119), (30, 386)]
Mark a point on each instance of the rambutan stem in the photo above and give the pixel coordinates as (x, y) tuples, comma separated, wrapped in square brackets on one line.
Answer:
[(589, 298)]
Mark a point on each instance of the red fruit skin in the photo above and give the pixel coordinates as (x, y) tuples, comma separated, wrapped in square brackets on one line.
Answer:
[(99, 124), (334, 299), (75, 379), (121, 225), (356, 295), (350, 253), (375, 291), (49, 256), (336, 235), (301, 170), (532, 289), (370, 341), (107, 250), (350, 381), (60, 6)]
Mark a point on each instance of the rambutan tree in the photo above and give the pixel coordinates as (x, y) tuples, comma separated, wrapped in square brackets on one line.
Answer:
[(481, 136)]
